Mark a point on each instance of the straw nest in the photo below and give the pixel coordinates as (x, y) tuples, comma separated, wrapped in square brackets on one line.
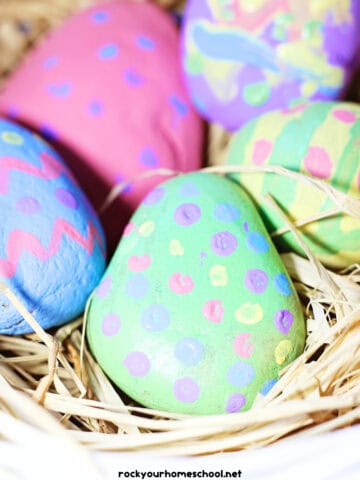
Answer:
[(318, 392)]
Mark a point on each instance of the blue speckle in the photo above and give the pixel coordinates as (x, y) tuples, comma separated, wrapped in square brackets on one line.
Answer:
[(148, 158), (133, 78), (179, 105), (95, 108), (282, 284), (109, 51), (268, 386), (257, 242), (50, 62), (48, 132), (100, 17), (61, 90), (145, 43)]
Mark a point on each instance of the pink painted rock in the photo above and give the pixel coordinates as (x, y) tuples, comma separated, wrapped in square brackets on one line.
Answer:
[(106, 89)]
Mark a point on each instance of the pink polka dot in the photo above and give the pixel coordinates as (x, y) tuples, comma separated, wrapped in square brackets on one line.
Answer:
[(104, 288), (111, 324), (128, 229), (66, 198), (28, 205), (137, 363), (262, 151), (213, 311), (186, 390), (318, 163), (181, 284), (242, 346), (139, 263), (344, 116)]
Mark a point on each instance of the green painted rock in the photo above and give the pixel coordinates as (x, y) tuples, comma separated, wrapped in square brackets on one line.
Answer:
[(321, 140), (196, 313)]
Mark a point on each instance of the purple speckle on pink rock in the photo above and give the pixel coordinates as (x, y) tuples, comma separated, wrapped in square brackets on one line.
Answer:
[(137, 363), (111, 324), (186, 390)]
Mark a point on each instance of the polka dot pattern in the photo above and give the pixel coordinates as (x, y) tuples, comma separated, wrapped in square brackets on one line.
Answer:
[(122, 47), (208, 314)]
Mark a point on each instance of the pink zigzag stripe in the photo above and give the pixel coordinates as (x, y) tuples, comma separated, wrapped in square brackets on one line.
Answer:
[(51, 169), (19, 240)]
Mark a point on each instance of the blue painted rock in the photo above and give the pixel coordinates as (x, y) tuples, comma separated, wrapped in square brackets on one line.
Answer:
[(52, 247)]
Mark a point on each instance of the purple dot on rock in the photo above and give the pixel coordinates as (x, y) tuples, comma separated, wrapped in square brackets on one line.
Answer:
[(224, 243), (256, 281), (148, 158), (133, 78), (66, 198), (235, 402), (283, 320), (104, 288), (95, 108), (154, 196), (186, 390), (187, 214), (137, 286), (137, 363), (111, 324), (28, 205)]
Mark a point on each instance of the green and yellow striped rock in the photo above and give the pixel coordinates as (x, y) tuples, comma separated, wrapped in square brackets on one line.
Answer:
[(321, 140)]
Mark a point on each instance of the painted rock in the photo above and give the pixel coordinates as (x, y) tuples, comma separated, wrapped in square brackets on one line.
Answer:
[(107, 90), (246, 57), (320, 140), (51, 243), (195, 313)]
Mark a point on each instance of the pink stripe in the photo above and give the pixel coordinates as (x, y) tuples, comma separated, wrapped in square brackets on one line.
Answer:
[(256, 20), (51, 168), (20, 241)]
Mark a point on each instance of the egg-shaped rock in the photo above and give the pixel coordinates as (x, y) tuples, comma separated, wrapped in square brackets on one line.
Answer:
[(246, 57), (320, 140), (196, 312), (52, 247), (106, 88)]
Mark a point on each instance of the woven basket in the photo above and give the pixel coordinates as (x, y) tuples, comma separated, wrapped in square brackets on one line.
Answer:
[(51, 384)]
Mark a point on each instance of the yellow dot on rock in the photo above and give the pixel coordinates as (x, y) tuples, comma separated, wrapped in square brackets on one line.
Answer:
[(282, 351), (349, 224), (309, 88), (218, 276), (175, 248), (12, 137), (146, 229), (249, 313)]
